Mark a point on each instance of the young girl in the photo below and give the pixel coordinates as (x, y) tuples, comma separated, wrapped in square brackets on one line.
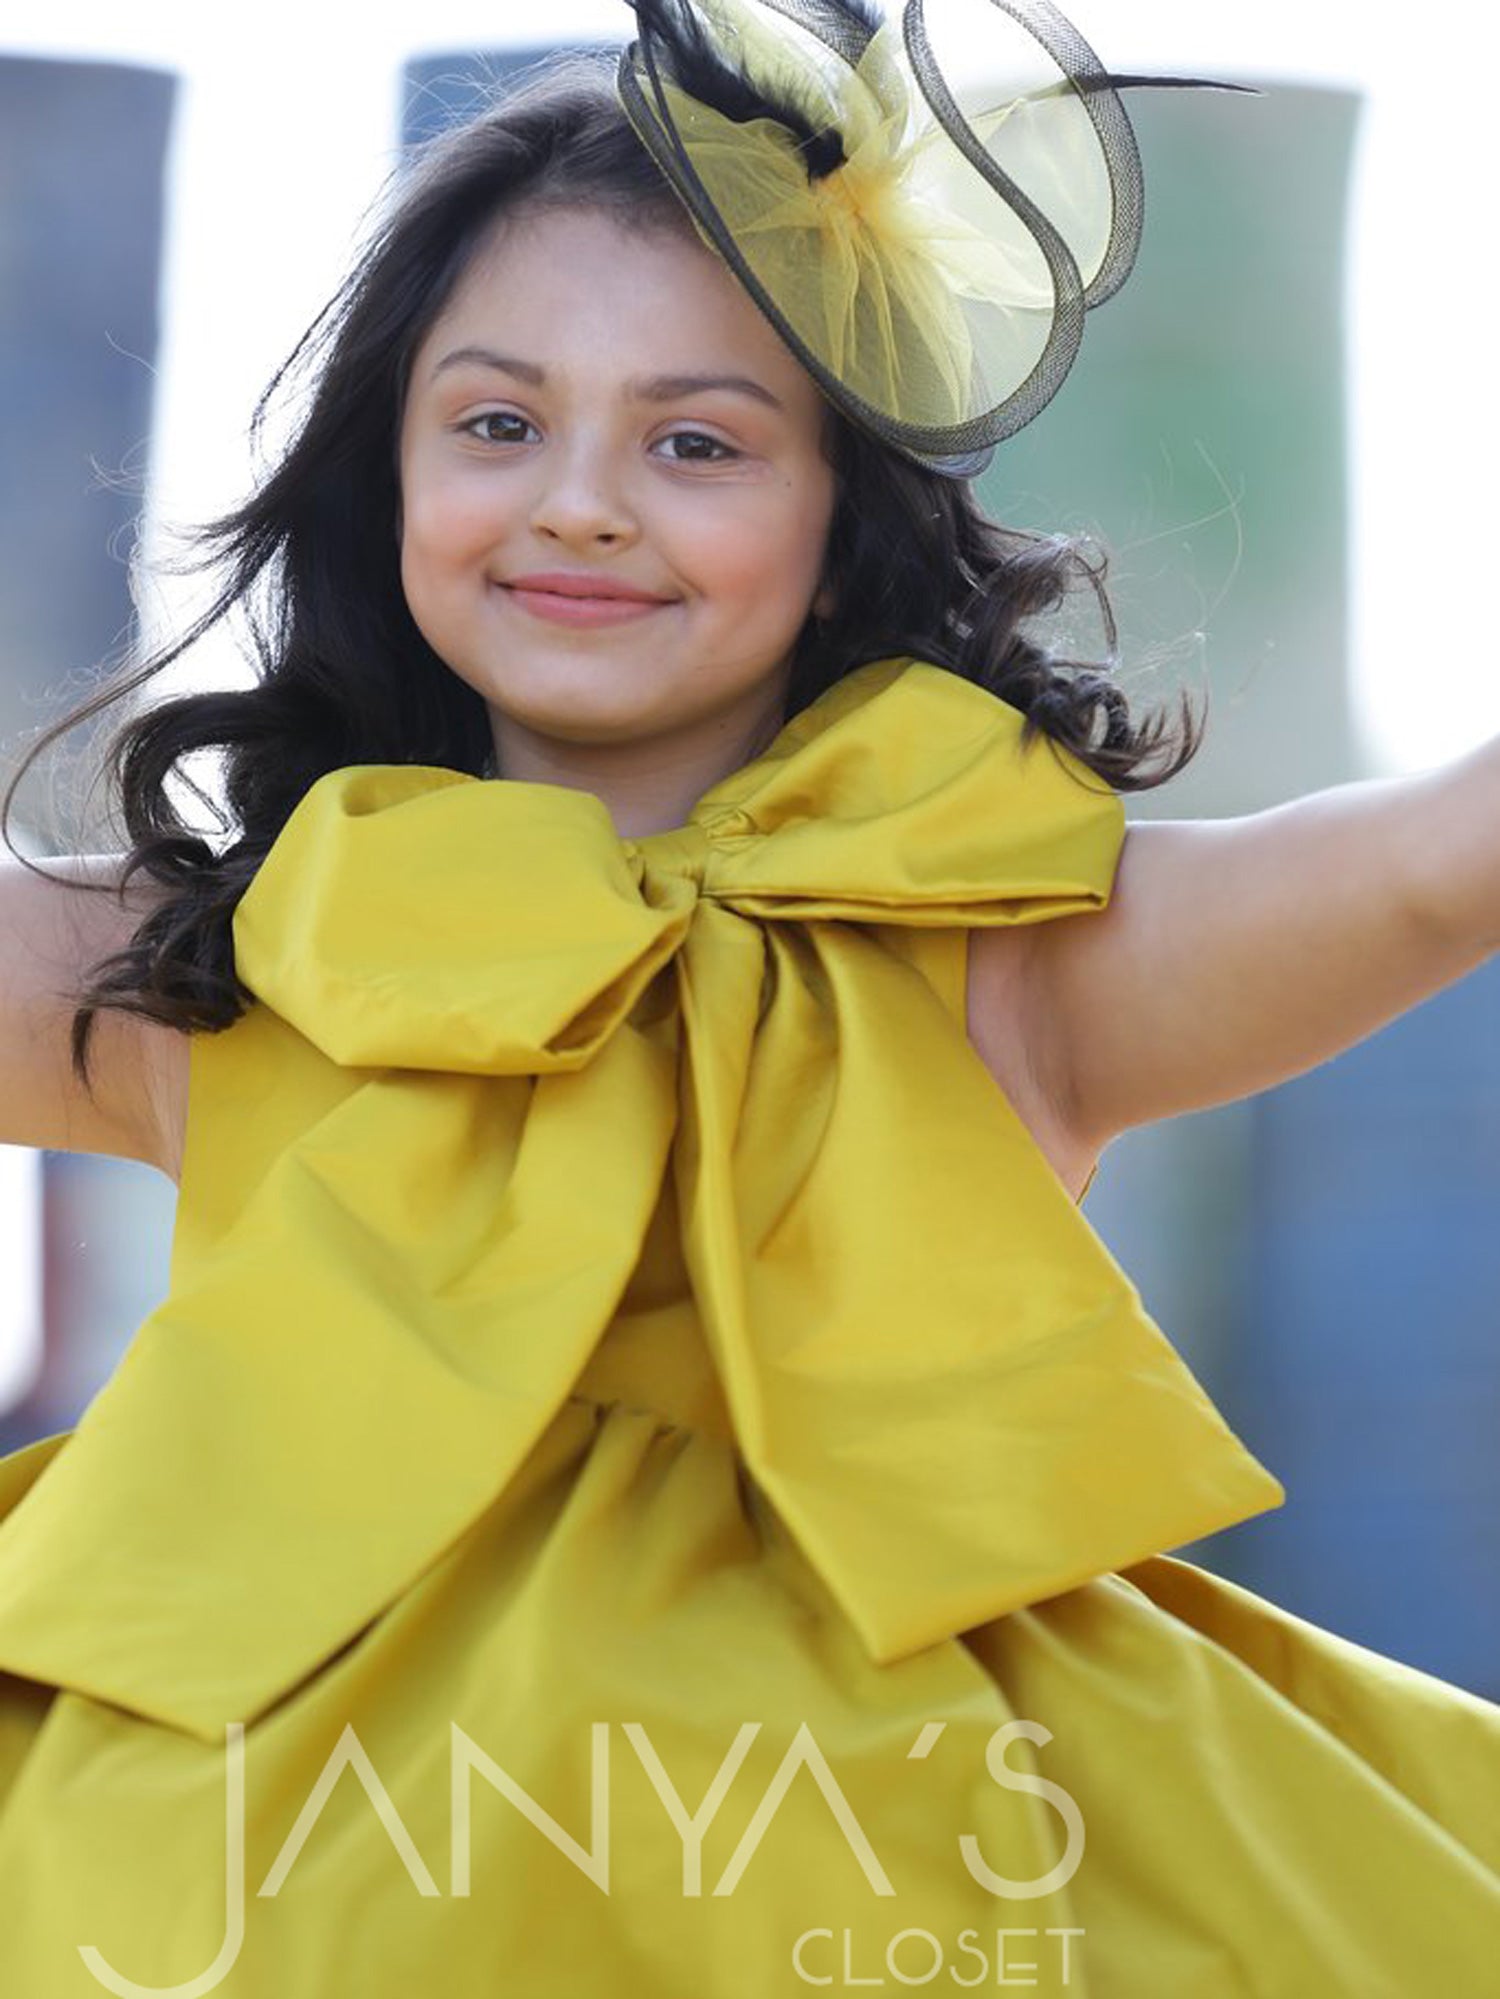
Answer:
[(644, 1480)]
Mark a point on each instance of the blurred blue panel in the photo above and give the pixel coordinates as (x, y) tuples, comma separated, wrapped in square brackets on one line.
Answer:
[(107, 1232), (1368, 1359), (82, 153)]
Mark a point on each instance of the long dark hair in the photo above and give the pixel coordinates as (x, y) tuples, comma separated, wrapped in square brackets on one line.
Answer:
[(343, 674)]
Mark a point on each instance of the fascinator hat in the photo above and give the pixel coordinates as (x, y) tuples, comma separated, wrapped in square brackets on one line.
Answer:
[(930, 266)]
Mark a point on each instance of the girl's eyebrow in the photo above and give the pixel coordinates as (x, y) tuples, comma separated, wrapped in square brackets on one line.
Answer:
[(648, 388)]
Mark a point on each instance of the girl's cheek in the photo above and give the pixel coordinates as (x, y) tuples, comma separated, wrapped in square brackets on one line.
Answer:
[(749, 546), (448, 519)]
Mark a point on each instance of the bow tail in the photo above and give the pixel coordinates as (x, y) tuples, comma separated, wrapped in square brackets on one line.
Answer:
[(947, 1387), (323, 1406)]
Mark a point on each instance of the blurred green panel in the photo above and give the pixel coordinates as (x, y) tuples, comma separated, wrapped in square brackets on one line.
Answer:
[(1201, 438)]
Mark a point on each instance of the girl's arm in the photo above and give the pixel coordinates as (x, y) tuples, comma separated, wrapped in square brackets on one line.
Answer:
[(50, 934), (1235, 953)]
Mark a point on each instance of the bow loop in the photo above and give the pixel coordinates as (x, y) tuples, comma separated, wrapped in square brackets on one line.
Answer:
[(905, 795), (462, 948)]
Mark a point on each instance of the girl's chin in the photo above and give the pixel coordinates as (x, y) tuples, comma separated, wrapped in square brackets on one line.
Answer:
[(544, 706)]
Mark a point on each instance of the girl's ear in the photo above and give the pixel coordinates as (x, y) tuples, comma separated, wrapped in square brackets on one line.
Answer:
[(823, 603)]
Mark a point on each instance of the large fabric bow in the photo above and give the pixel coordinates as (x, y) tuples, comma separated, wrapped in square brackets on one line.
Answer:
[(419, 1172)]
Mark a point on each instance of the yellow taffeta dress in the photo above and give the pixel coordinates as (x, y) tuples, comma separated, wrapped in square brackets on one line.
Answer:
[(644, 1483)]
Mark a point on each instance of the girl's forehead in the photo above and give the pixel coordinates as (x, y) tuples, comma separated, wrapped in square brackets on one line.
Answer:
[(584, 283), (533, 254)]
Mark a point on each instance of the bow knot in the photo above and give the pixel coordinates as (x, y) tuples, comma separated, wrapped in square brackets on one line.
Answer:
[(680, 852)]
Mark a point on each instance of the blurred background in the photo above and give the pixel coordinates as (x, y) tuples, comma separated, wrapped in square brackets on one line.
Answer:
[(1281, 432)]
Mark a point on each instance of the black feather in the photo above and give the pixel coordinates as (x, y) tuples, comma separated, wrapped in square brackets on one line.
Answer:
[(677, 41)]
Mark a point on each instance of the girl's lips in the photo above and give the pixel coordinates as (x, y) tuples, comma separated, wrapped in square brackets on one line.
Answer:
[(557, 609)]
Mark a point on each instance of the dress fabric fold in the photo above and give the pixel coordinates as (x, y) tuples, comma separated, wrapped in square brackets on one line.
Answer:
[(610, 1293)]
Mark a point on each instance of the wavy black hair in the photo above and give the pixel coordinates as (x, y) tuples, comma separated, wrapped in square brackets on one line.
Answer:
[(344, 676)]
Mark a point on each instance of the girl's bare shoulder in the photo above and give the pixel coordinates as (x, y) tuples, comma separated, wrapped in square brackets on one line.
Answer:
[(54, 928)]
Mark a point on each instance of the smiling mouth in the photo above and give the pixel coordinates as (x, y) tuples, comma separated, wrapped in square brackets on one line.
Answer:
[(557, 607)]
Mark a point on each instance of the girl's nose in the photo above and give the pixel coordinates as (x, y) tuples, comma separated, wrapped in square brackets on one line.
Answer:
[(580, 497)]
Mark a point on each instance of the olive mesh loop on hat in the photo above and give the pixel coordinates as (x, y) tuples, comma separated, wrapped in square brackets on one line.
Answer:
[(930, 266)]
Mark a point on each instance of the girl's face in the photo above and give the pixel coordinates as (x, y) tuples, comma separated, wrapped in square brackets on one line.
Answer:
[(602, 408)]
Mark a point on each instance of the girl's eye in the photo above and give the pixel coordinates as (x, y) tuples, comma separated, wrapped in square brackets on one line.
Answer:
[(689, 447), (480, 426), (695, 454)]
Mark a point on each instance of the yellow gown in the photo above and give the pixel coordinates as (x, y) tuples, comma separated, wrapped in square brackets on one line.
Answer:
[(644, 1482)]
